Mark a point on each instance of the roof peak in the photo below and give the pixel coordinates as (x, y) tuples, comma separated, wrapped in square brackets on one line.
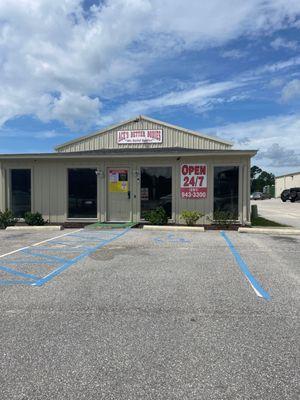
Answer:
[(145, 118)]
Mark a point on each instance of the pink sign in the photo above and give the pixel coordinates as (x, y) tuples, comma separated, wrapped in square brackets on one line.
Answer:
[(193, 181)]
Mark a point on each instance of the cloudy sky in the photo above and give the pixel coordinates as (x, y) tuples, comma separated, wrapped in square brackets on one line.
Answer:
[(68, 67)]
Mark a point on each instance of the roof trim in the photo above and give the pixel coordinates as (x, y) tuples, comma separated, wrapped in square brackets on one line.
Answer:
[(137, 153), (145, 118), (291, 174)]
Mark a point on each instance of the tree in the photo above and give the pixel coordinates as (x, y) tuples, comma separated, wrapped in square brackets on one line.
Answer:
[(255, 171), (260, 178)]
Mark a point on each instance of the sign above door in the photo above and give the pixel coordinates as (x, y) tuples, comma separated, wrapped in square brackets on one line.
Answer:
[(140, 136)]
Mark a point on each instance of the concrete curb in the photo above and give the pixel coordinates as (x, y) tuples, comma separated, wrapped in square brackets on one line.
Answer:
[(271, 231), (174, 228), (35, 228)]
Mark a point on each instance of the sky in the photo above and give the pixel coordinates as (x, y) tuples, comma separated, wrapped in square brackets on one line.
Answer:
[(230, 69)]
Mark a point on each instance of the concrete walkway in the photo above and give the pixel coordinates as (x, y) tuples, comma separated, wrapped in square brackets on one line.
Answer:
[(285, 213)]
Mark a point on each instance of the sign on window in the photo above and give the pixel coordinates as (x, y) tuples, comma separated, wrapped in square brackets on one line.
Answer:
[(118, 180), (193, 183)]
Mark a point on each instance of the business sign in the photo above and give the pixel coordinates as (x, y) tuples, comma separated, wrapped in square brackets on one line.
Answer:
[(193, 181), (118, 180), (140, 136)]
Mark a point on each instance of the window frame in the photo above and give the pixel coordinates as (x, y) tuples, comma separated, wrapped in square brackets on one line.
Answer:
[(240, 186), (9, 187), (167, 165), (81, 219)]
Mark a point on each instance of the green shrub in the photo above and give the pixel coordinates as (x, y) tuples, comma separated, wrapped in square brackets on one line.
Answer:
[(7, 219), (225, 218), (34, 218), (157, 216), (191, 217)]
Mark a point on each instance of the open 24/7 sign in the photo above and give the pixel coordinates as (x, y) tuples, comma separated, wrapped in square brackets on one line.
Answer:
[(193, 183)]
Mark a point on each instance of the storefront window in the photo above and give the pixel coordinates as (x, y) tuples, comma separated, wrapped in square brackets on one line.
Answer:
[(156, 189), (82, 201), (226, 190), (20, 191)]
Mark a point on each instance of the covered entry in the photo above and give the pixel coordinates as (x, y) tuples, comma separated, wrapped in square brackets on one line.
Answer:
[(119, 200)]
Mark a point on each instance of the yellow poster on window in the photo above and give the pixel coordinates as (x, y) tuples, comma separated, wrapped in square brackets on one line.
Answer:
[(118, 180)]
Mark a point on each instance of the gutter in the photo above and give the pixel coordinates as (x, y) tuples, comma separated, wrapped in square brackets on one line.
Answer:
[(66, 155)]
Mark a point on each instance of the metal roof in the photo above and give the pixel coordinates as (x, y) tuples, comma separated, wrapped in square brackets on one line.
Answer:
[(291, 174), (145, 118)]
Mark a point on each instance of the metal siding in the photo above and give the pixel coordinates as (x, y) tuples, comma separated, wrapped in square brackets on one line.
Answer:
[(286, 182), (50, 184), (171, 138)]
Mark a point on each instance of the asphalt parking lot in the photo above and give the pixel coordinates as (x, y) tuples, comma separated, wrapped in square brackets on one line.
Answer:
[(150, 315), (285, 213)]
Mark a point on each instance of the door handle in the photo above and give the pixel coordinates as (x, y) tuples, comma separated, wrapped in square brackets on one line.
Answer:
[(128, 194)]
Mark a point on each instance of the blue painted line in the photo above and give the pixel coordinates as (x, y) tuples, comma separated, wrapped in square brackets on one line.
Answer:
[(78, 239), (73, 261), (15, 262), (45, 256), (243, 266), (68, 244), (18, 273), (6, 282), (63, 250), (29, 261), (91, 238), (171, 239)]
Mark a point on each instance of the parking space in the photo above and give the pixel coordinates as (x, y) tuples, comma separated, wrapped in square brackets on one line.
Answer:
[(284, 213), (14, 240), (156, 315), (38, 263)]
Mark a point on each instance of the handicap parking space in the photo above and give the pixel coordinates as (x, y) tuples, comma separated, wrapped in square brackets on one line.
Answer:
[(148, 314), (38, 263), (14, 240)]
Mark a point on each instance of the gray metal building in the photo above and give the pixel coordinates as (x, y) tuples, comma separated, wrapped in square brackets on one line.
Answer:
[(119, 173), (286, 181)]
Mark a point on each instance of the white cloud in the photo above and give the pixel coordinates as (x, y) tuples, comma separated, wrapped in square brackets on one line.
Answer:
[(280, 42), (291, 90), (280, 157), (50, 49), (202, 96), (277, 138), (278, 66), (74, 109), (213, 22), (234, 54)]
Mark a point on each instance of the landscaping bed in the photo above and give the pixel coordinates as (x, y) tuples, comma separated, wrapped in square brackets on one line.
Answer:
[(260, 221)]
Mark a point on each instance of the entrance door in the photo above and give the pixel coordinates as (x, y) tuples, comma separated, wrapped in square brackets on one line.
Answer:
[(118, 194)]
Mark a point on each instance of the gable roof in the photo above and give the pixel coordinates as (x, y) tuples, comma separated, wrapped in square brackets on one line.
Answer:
[(137, 119)]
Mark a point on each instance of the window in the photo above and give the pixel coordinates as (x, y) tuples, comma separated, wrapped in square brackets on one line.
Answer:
[(226, 190), (20, 191), (82, 183), (156, 189)]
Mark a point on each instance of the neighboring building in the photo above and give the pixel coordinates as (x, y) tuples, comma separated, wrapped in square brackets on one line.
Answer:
[(287, 181), (119, 173)]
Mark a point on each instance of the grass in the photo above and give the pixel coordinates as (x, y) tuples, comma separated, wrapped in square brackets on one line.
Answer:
[(260, 221)]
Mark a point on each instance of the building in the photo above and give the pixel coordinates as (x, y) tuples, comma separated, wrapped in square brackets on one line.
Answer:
[(287, 181), (119, 173)]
